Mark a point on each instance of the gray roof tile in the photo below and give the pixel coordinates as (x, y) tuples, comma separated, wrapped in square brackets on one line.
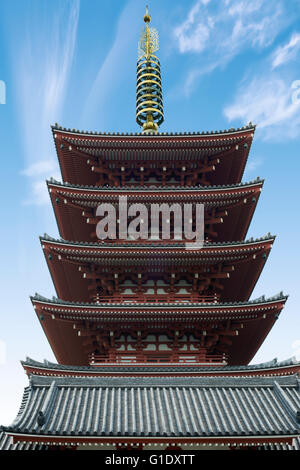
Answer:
[(6, 443), (160, 406)]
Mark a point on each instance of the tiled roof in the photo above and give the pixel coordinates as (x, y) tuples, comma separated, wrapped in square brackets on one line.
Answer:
[(160, 406), (6, 443)]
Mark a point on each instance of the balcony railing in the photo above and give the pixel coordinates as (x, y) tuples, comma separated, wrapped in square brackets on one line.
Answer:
[(154, 358), (150, 240), (156, 298)]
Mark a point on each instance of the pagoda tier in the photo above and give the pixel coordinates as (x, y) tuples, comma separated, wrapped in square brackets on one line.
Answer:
[(228, 209), (86, 272), (159, 159), (267, 369), (163, 411), (193, 333)]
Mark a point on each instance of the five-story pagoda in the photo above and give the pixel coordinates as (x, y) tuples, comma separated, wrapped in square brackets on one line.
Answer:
[(152, 339)]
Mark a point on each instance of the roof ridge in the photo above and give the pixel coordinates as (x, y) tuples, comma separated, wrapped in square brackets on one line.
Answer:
[(134, 382), (143, 187), (249, 126), (263, 365), (46, 237), (280, 296)]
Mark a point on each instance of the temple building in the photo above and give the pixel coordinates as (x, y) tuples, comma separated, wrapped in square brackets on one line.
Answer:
[(153, 339)]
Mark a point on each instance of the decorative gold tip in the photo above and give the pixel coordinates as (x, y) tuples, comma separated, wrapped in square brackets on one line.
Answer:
[(149, 103), (147, 17)]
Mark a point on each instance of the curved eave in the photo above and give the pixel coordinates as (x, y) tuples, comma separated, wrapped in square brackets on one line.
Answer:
[(228, 150), (260, 302), (67, 261), (138, 189), (74, 205), (61, 323), (120, 136), (178, 247), (271, 368)]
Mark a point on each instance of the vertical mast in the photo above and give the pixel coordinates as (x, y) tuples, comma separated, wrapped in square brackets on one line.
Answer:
[(149, 103)]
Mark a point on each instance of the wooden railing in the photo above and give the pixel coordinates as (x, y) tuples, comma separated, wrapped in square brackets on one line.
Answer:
[(149, 241), (154, 358), (157, 298)]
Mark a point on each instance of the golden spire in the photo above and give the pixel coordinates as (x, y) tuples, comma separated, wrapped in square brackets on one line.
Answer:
[(147, 17), (149, 104)]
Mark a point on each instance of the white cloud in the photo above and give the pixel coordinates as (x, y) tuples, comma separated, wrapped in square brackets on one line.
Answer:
[(108, 76), (220, 29), (195, 41), (192, 34), (42, 67), (216, 32), (243, 8), (39, 194), (38, 173), (40, 168), (287, 52), (269, 95), (252, 165), (267, 101)]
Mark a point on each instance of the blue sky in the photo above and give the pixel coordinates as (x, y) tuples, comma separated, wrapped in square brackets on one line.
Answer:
[(224, 63)]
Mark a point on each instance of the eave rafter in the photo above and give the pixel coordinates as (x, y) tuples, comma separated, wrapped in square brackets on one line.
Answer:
[(183, 160), (75, 207), (214, 213), (141, 171), (209, 337), (236, 314), (107, 271), (217, 328)]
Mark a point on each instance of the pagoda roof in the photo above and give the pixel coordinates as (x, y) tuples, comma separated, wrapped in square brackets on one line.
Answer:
[(270, 368), (207, 409), (262, 300), (245, 261), (178, 245), (75, 206), (63, 321), (231, 131), (52, 182), (223, 154)]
